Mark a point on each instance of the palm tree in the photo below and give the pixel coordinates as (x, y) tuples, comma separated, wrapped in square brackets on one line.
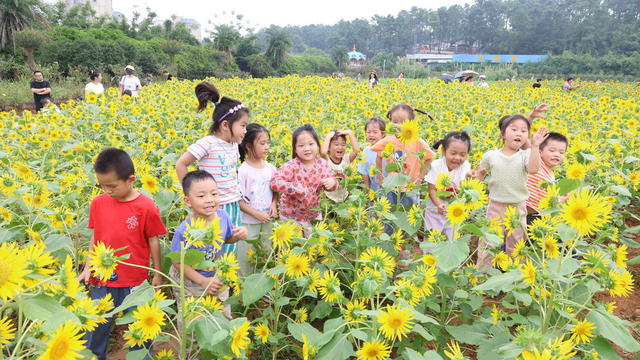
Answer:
[(172, 48), (29, 40), (278, 43), (16, 15), (226, 38)]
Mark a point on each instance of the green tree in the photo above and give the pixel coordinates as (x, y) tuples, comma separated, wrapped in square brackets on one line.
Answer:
[(16, 15), (172, 48), (339, 56), (30, 40), (278, 42), (225, 38)]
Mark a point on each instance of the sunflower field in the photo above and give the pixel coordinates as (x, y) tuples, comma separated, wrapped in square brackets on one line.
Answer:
[(350, 290)]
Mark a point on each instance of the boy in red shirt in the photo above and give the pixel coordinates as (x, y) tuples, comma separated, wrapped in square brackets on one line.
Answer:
[(121, 218)]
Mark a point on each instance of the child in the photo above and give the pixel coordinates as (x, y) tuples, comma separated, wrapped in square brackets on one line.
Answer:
[(217, 153), (552, 151), (507, 185), (121, 218), (300, 180), (334, 148), (201, 195), (374, 129), (455, 149), (258, 204), (417, 156)]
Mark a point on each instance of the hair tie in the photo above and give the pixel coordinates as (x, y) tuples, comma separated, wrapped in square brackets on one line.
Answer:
[(216, 103)]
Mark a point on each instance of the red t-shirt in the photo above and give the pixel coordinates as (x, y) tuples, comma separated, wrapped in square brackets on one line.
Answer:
[(126, 223)]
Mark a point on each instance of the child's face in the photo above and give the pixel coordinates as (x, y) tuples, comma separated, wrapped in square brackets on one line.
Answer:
[(553, 153), (203, 198), (399, 116), (261, 145), (118, 189), (456, 153), (516, 134), (239, 128), (306, 147), (373, 132), (337, 148)]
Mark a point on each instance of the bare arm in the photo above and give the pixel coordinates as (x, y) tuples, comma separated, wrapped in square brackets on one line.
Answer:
[(154, 246), (442, 207), (212, 284), (86, 272), (182, 165), (354, 144), (367, 182), (534, 157), (263, 217), (324, 150)]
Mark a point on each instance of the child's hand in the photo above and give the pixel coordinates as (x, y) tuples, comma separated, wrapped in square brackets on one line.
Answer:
[(263, 217), (212, 285), (238, 233), (329, 183), (442, 208), (273, 211), (157, 280), (539, 137), (538, 111), (478, 174), (85, 275)]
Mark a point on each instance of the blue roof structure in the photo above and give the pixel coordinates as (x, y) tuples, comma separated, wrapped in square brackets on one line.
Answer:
[(355, 55), (495, 58), (188, 21)]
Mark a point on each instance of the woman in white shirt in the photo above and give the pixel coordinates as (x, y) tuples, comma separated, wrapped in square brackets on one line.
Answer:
[(95, 86), (130, 83)]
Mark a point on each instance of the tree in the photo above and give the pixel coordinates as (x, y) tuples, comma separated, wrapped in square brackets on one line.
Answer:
[(172, 48), (16, 15), (225, 38), (278, 42), (339, 56), (30, 40)]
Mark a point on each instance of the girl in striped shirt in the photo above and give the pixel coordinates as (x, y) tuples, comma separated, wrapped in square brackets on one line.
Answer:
[(217, 153)]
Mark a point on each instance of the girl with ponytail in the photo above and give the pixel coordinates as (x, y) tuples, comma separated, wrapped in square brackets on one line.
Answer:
[(218, 153)]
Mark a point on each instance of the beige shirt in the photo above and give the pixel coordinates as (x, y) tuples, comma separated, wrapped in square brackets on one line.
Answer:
[(508, 175), (340, 194)]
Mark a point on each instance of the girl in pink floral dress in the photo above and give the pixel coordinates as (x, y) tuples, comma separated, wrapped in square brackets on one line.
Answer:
[(300, 180)]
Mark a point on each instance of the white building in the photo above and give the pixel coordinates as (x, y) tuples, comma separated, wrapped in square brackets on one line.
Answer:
[(101, 7), (194, 27)]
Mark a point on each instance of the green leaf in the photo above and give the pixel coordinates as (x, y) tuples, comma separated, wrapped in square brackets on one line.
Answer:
[(296, 330), (612, 328), (164, 199), (283, 301), (141, 294), (604, 349), (393, 181), (321, 310), (192, 257), (566, 186), (422, 332), (359, 334), (503, 282), (411, 354), (256, 286), (339, 348), (621, 190), (432, 355), (49, 310), (137, 354), (469, 334), (208, 334), (56, 242), (450, 254)]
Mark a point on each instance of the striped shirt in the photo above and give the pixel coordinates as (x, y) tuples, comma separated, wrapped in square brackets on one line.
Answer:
[(537, 192), (220, 159)]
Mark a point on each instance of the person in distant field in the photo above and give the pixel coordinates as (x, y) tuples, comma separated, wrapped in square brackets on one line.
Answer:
[(167, 75), (148, 80), (483, 82), (401, 77), (40, 88), (359, 77), (130, 82), (95, 85), (537, 84), (373, 79), (569, 85)]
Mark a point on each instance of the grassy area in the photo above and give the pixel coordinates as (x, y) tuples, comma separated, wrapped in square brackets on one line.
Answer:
[(17, 95)]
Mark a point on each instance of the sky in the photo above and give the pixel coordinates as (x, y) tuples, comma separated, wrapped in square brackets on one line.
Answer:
[(262, 13)]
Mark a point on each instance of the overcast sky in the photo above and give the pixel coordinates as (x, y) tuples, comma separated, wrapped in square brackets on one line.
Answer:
[(262, 13)]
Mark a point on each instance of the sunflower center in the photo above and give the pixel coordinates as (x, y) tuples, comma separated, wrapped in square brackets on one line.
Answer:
[(149, 321), (373, 352), (5, 270), (457, 212), (60, 348), (579, 214), (395, 322)]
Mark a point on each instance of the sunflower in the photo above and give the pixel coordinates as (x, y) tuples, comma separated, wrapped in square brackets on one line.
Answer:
[(7, 331), (454, 352), (576, 171), (38, 262), (262, 332), (620, 256), (436, 236), (443, 181), (150, 184), (408, 292), (211, 303), (541, 228), (65, 344), (165, 354), (352, 307), (456, 213), (240, 338), (102, 260), (586, 211), (429, 260), (622, 283), (87, 312), (228, 267), (535, 354), (150, 320), (551, 198), (395, 321), (424, 276), (502, 261), (562, 349), (582, 332), (13, 270), (528, 272), (301, 315), (374, 350), (382, 205), (495, 314), (329, 286), (375, 226), (378, 259), (398, 239), (511, 220), (297, 265), (473, 194), (283, 234), (414, 216), (550, 247), (409, 132)]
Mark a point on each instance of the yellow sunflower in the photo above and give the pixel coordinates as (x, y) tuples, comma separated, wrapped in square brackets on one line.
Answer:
[(586, 211), (262, 332), (582, 332), (13, 270), (65, 344), (240, 338), (297, 265), (374, 350), (102, 260), (409, 132), (456, 213), (7, 331), (395, 321), (150, 320), (378, 259)]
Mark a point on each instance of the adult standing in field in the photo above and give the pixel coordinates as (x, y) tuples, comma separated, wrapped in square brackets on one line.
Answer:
[(167, 75), (95, 85), (373, 80), (40, 88), (130, 83)]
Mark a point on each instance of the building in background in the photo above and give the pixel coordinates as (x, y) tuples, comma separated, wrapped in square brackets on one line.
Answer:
[(194, 27), (101, 7), (356, 58)]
